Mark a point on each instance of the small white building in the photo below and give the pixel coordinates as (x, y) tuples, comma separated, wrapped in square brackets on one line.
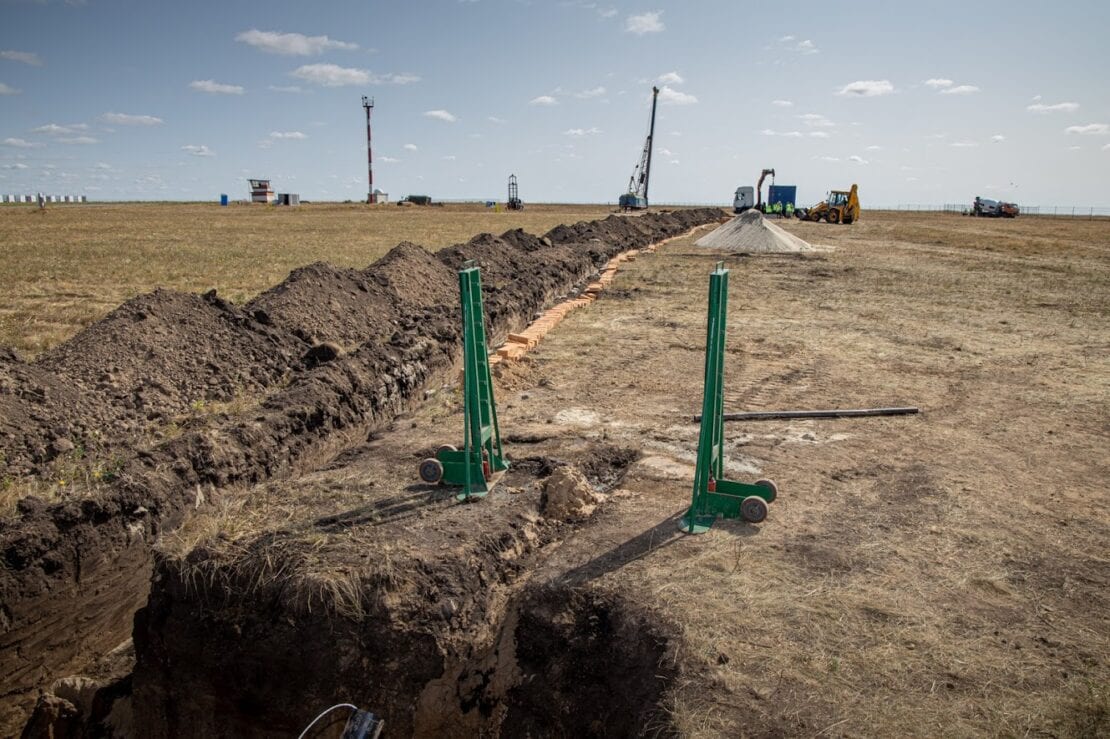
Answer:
[(261, 192)]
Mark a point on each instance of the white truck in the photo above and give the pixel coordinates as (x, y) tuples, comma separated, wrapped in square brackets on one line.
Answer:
[(744, 199)]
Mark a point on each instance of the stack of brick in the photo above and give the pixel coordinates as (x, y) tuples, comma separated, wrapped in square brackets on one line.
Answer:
[(519, 344)]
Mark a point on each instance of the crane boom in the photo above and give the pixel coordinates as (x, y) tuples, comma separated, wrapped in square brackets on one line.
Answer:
[(637, 196)]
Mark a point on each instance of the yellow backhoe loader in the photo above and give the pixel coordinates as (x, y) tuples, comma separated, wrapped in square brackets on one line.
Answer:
[(841, 207)]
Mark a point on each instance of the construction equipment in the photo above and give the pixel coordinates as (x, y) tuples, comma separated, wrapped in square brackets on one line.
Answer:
[(840, 207), (474, 466), (759, 186), (637, 196), (514, 202), (988, 208), (714, 495), (780, 198)]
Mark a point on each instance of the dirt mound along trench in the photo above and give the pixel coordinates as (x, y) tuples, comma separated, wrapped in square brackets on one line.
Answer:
[(74, 571), (122, 379)]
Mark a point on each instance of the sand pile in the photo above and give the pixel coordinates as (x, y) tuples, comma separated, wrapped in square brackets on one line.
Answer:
[(751, 233)]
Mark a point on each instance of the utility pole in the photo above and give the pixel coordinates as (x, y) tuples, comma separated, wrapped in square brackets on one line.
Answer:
[(368, 104)]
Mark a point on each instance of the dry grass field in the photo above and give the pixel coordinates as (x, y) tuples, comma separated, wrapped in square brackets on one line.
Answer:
[(65, 267), (944, 574)]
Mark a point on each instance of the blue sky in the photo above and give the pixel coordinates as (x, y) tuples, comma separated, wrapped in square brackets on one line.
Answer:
[(918, 103)]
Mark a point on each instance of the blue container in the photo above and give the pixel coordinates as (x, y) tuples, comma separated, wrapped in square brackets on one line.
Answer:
[(223, 200), (782, 194)]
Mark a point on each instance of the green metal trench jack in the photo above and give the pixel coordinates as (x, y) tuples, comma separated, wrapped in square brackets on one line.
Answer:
[(473, 466), (713, 495)]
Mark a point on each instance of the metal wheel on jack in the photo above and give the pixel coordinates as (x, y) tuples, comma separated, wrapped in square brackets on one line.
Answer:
[(446, 448), (431, 470), (753, 509), (772, 488)]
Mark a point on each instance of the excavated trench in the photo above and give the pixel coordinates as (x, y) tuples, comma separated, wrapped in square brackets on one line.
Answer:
[(465, 643), (296, 376)]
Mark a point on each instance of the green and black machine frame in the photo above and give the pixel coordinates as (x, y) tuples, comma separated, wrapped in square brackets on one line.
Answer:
[(474, 465), (714, 495)]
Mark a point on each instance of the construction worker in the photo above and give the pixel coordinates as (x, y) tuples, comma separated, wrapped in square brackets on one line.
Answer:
[(777, 208), (789, 210)]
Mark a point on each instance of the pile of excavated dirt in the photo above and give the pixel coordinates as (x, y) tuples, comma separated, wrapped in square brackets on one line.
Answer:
[(751, 233), (73, 572)]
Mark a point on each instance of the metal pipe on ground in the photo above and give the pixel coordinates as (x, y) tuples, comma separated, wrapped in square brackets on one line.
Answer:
[(843, 413)]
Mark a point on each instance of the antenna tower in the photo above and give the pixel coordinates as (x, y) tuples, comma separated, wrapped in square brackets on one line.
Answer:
[(368, 104)]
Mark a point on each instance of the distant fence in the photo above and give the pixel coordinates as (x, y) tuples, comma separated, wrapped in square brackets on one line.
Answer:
[(1056, 211), (45, 198)]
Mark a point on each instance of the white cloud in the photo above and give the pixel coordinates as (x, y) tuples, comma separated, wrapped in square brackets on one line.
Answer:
[(857, 159), (666, 152), (645, 23), (829, 159), (788, 134), (440, 115), (998, 138), (6, 90), (25, 57), (123, 119), (582, 131), (333, 75), (671, 78), (1091, 129), (21, 143), (592, 93), (450, 158), (867, 88), (1055, 108), (291, 44), (804, 46), (287, 136), (543, 100), (78, 140), (411, 147), (286, 88), (495, 119), (936, 83), (819, 134), (782, 103), (198, 150), (216, 88), (873, 147), (103, 165), (17, 165), (388, 160), (964, 144), (54, 129), (816, 120), (670, 96), (1106, 147), (960, 90)]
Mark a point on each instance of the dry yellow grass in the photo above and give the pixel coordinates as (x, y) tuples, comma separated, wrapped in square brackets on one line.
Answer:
[(65, 267)]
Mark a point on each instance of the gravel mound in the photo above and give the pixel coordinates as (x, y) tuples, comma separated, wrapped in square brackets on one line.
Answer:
[(751, 233)]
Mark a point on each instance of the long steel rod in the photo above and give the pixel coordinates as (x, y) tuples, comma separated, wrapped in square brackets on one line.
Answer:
[(845, 413)]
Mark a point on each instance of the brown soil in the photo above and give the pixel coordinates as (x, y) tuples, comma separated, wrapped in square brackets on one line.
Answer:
[(319, 362), (935, 574)]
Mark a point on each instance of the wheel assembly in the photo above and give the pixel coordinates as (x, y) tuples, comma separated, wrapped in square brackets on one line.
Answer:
[(753, 509), (431, 470), (773, 489)]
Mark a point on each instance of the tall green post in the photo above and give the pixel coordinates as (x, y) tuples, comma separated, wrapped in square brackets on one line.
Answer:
[(713, 495), (481, 455)]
